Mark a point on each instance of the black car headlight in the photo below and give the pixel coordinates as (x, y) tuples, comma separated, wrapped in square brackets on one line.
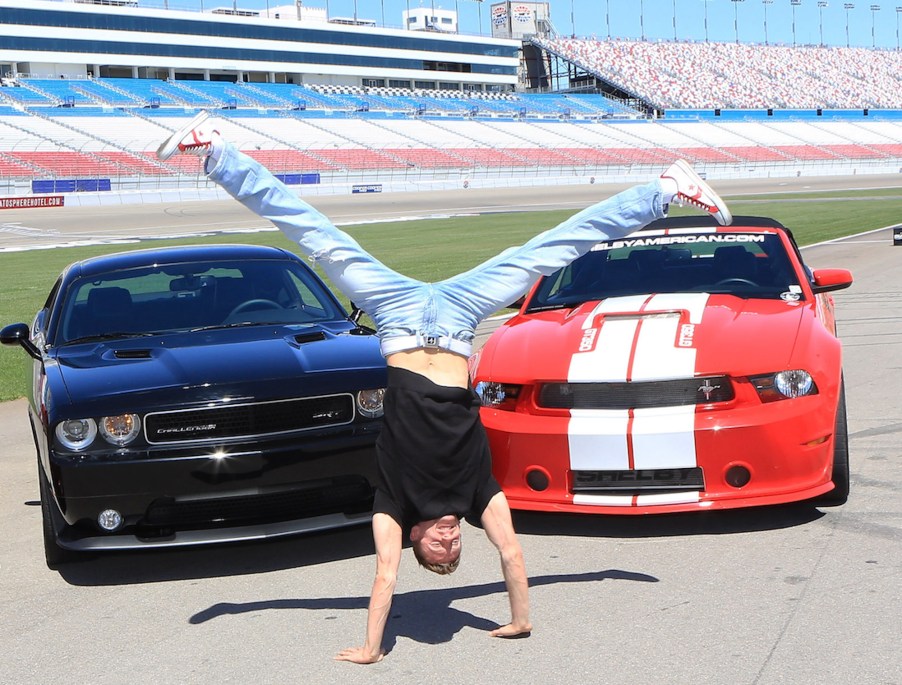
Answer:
[(120, 430), (369, 402), (76, 434), (784, 385)]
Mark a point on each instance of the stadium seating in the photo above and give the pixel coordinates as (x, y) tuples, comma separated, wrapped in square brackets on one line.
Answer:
[(733, 75), (110, 128)]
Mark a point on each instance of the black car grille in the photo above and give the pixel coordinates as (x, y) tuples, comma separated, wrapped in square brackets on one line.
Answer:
[(638, 481), (638, 395), (249, 420), (349, 494)]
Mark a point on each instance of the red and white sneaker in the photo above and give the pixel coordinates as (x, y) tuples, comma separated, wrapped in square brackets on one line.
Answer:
[(194, 138), (692, 190)]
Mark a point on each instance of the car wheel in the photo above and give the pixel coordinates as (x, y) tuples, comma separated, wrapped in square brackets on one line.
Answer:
[(841, 475), (54, 555)]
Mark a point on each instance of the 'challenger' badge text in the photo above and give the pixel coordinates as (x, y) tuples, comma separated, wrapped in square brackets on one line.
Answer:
[(187, 429)]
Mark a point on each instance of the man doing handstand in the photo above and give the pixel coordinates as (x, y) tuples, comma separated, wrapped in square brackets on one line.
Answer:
[(432, 453)]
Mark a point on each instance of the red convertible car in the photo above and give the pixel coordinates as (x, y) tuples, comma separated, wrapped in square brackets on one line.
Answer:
[(688, 366)]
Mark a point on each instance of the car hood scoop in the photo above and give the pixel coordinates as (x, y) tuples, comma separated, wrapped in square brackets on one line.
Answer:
[(132, 354), (309, 337)]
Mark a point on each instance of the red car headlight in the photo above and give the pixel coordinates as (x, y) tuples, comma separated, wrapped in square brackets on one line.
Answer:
[(498, 395), (784, 385)]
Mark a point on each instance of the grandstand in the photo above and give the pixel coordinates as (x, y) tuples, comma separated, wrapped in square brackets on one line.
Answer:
[(380, 119), (675, 75)]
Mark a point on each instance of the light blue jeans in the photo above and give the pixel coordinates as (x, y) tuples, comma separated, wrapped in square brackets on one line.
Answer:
[(411, 314)]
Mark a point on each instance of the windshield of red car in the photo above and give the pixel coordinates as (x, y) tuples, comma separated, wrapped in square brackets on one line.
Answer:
[(747, 265)]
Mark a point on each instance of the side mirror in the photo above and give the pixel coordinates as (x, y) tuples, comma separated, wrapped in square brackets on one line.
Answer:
[(827, 280), (18, 334)]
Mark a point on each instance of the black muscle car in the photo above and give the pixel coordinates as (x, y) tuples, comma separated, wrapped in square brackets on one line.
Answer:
[(198, 394)]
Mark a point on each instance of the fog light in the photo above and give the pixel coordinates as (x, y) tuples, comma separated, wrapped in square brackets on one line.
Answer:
[(537, 480), (109, 520), (738, 476)]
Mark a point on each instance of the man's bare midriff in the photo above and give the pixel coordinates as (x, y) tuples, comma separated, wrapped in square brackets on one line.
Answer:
[(439, 366)]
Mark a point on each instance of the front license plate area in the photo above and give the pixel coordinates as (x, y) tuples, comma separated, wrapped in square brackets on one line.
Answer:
[(637, 481)]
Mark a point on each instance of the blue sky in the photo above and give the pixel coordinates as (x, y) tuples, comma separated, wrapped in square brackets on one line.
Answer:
[(591, 18)]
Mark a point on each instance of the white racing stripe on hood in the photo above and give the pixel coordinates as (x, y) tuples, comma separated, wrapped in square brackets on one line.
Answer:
[(661, 438)]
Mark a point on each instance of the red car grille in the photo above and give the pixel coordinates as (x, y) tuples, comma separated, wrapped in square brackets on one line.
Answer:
[(640, 395), (249, 420)]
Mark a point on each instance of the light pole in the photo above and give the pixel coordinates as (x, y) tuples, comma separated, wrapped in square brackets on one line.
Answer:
[(766, 3), (642, 19), (736, 18), (706, 20), (848, 6), (794, 3), (674, 22), (572, 22), (820, 8), (874, 10), (607, 16), (898, 12)]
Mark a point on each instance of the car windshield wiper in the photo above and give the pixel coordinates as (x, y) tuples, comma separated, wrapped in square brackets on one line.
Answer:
[(237, 324), (120, 335), (558, 305)]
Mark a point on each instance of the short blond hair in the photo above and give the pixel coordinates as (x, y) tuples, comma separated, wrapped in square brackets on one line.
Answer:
[(442, 569)]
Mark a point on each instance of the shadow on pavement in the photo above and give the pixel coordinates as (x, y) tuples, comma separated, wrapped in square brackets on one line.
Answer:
[(421, 615), (722, 522), (152, 566)]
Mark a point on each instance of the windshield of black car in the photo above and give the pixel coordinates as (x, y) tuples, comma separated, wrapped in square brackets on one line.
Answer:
[(190, 296), (747, 265)]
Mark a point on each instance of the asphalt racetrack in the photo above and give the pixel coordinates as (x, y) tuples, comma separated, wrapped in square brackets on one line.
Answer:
[(783, 595)]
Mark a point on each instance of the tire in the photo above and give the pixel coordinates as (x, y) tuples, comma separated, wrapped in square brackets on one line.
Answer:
[(841, 473), (54, 555)]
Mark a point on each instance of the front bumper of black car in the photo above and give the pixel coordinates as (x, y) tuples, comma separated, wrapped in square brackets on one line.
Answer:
[(216, 493)]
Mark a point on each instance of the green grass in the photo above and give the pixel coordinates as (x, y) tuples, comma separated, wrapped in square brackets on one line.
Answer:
[(436, 248)]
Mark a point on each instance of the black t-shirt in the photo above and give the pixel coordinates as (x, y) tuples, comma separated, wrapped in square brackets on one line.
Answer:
[(432, 453)]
